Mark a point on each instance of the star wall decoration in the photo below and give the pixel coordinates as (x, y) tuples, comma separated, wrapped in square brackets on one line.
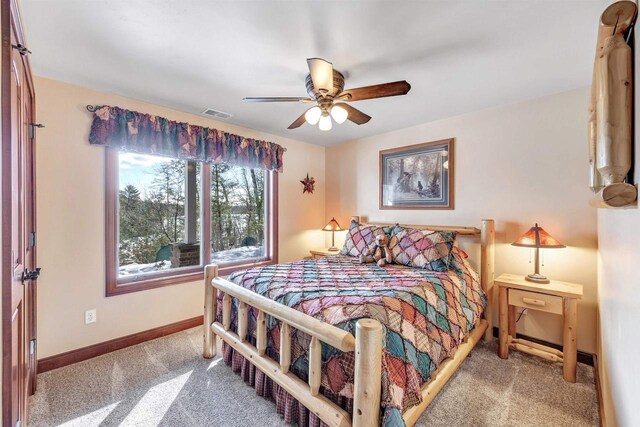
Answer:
[(309, 184)]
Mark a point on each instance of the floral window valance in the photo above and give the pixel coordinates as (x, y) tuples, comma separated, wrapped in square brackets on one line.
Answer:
[(146, 134)]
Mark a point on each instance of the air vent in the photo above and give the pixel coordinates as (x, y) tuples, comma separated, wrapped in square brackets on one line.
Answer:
[(215, 113)]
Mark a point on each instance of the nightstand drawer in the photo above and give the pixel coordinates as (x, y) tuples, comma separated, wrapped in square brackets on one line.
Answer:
[(535, 301)]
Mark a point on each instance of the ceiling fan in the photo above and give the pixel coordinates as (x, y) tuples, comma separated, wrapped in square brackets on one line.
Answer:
[(325, 87)]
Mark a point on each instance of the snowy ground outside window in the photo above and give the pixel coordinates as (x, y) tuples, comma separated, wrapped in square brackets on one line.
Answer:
[(221, 257)]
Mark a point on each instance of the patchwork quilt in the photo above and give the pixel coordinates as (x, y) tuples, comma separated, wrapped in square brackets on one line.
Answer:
[(425, 316)]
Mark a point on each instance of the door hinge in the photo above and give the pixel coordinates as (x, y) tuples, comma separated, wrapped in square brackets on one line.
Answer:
[(32, 239), (32, 129), (22, 50), (32, 346), (31, 275)]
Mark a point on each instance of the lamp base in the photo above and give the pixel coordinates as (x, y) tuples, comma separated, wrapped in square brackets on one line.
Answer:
[(333, 249), (537, 278)]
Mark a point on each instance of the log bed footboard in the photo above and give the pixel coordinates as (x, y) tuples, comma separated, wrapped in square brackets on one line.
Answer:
[(367, 344)]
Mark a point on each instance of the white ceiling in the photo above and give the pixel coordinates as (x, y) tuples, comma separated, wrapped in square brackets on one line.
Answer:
[(459, 56)]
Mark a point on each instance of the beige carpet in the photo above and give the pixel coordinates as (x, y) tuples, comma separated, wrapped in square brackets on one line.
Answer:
[(166, 382)]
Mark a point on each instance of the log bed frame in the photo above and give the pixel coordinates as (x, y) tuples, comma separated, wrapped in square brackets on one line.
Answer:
[(367, 342)]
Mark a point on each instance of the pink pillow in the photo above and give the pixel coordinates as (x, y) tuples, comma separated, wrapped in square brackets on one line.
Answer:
[(361, 239), (426, 249)]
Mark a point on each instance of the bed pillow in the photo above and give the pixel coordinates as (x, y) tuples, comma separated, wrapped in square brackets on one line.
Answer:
[(458, 251), (460, 264), (426, 249), (361, 239), (458, 260)]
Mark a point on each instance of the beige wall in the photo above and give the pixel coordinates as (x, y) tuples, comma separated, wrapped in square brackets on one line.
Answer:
[(517, 164), (618, 287), (70, 197), (619, 284)]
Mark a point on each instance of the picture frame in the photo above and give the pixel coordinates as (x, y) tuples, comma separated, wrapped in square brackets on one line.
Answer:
[(419, 176)]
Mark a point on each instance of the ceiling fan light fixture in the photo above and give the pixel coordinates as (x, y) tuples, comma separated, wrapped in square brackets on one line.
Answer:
[(313, 115), (325, 88), (339, 114), (325, 122)]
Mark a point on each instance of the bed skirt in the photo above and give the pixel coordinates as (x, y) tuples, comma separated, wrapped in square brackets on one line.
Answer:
[(292, 411)]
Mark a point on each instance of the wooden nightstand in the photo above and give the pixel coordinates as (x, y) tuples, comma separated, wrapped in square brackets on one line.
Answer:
[(319, 253), (554, 297)]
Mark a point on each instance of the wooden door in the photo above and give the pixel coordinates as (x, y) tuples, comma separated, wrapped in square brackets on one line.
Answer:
[(29, 132), (18, 222)]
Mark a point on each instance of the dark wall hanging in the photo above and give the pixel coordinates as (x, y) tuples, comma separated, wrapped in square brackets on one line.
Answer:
[(309, 184), (417, 176)]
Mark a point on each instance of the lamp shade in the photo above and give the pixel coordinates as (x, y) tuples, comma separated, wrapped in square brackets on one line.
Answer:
[(536, 237), (332, 226)]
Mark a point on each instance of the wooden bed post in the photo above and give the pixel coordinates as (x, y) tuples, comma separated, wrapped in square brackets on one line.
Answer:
[(487, 270), (210, 308), (368, 373), (285, 347), (243, 320)]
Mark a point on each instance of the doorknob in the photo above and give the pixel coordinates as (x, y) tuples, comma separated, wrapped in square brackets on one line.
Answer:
[(31, 275)]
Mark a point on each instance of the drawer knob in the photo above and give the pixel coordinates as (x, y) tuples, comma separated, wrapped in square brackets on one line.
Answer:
[(531, 301)]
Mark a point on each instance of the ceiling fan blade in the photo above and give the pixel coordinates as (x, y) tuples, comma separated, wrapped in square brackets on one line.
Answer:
[(279, 99), (299, 122), (321, 74), (376, 91), (355, 115)]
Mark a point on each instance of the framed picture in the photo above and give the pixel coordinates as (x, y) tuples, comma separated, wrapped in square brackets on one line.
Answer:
[(417, 176)]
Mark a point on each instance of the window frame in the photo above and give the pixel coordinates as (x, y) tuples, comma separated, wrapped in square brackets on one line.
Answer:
[(116, 285)]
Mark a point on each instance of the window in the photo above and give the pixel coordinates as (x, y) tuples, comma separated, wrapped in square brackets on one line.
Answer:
[(162, 227), (237, 214)]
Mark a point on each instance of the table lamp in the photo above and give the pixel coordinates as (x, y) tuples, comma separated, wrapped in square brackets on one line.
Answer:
[(332, 226), (537, 238)]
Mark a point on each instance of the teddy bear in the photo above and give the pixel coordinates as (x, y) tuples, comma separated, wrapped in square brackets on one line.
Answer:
[(381, 251)]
